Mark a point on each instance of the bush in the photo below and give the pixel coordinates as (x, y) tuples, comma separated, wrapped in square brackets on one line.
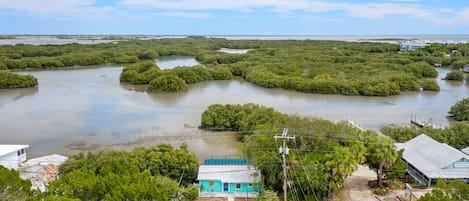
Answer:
[(12, 80), (268, 196), (167, 83), (455, 75), (430, 85), (381, 191), (460, 110), (244, 118), (222, 73)]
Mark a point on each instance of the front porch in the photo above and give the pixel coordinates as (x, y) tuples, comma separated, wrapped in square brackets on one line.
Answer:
[(228, 195)]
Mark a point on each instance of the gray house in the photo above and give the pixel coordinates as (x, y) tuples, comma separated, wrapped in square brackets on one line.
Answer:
[(427, 160), (465, 150)]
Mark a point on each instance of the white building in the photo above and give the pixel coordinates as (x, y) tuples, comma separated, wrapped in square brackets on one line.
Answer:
[(11, 156), (411, 46), (428, 160)]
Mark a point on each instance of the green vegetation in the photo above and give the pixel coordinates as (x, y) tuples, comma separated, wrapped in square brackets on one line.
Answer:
[(456, 190), (170, 80), (267, 196), (12, 80), (460, 110), (167, 83), (322, 155), (242, 118), (430, 85), (455, 75), (329, 67), (455, 135), (154, 173), (12, 187), (143, 174)]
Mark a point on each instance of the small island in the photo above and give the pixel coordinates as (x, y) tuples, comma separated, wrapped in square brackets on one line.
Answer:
[(10, 80)]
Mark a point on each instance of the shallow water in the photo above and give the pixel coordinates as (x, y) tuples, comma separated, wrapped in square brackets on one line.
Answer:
[(168, 62), (234, 51), (88, 109)]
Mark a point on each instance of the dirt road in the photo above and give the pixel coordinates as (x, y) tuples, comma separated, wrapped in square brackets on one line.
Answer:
[(356, 186)]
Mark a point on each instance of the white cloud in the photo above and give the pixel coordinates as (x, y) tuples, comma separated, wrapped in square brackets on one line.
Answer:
[(86, 9), (462, 17), (184, 14), (82, 9), (410, 8)]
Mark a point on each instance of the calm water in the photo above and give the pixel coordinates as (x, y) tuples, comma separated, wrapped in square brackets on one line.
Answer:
[(88, 109), (173, 61)]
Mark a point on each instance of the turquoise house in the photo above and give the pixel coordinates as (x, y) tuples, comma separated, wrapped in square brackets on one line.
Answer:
[(229, 178)]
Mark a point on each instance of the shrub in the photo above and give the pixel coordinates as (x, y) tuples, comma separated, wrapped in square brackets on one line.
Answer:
[(455, 75), (222, 73), (430, 85), (460, 110), (381, 191), (12, 80), (167, 83)]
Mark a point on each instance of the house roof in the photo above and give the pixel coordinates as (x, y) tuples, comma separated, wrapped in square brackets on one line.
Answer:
[(432, 157), (229, 173), (55, 159), (9, 148), (226, 161), (48, 173), (465, 150)]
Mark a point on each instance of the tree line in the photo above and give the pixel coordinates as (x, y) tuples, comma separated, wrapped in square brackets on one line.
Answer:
[(329, 67), (454, 135)]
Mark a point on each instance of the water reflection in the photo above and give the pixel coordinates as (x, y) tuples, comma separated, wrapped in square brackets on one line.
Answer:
[(168, 62), (8, 95), (89, 109)]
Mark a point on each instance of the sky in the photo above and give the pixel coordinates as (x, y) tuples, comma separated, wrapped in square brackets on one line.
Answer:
[(235, 17)]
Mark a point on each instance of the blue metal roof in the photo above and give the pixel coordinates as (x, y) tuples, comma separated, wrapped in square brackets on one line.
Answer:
[(226, 161)]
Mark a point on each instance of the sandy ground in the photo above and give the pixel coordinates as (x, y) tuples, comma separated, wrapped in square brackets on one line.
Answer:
[(356, 186)]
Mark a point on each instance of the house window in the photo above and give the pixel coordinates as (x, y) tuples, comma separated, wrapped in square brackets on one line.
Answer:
[(19, 153), (250, 185), (238, 186), (210, 183), (22, 151)]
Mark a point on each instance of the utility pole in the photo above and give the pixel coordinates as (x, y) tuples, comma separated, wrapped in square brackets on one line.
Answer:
[(284, 151)]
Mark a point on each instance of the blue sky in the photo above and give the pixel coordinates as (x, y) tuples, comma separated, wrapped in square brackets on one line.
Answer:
[(235, 17)]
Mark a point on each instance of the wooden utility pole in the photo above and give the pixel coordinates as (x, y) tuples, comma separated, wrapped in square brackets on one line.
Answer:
[(284, 151)]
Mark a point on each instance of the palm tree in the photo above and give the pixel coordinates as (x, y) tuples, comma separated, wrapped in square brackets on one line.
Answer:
[(382, 153), (340, 163)]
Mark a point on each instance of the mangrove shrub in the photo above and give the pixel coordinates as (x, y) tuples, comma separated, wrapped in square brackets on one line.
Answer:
[(167, 83)]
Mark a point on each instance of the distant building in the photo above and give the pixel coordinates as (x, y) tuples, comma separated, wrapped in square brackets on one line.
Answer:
[(428, 160), (42, 170), (228, 178), (11, 156), (411, 46)]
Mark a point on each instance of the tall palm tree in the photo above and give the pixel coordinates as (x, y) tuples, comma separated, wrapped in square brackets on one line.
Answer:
[(340, 163), (382, 153)]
